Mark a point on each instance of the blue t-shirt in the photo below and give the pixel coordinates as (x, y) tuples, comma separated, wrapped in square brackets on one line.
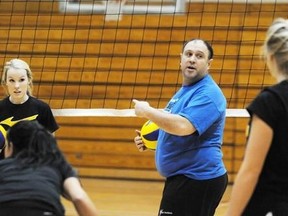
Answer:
[(198, 155)]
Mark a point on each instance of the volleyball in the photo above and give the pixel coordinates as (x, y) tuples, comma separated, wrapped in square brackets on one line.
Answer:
[(149, 134)]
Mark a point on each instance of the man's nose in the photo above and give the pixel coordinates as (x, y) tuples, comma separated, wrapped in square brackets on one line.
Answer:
[(192, 58)]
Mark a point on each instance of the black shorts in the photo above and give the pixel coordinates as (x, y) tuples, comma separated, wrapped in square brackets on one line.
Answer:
[(266, 205), (183, 196), (26, 208)]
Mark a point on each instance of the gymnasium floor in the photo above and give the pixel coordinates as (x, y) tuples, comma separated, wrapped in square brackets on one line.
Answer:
[(128, 198)]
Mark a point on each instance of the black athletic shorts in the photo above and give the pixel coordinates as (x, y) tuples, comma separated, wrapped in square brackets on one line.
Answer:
[(183, 196), (268, 206), (26, 208)]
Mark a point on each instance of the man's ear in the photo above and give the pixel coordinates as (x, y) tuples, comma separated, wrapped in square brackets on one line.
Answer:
[(210, 62)]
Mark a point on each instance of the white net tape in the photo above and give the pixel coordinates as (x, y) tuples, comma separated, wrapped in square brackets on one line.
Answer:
[(126, 112)]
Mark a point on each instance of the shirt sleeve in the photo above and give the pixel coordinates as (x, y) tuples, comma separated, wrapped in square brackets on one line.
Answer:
[(268, 107), (47, 119), (202, 113)]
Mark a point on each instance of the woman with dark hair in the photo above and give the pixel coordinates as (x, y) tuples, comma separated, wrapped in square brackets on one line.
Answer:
[(35, 173)]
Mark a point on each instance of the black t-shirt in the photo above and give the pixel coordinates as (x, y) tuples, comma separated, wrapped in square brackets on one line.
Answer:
[(44, 183), (32, 109), (271, 105)]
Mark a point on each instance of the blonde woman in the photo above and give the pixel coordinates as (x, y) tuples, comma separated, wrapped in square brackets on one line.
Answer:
[(20, 104), (261, 186)]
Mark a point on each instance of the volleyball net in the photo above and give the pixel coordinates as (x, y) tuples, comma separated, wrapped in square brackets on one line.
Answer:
[(82, 60)]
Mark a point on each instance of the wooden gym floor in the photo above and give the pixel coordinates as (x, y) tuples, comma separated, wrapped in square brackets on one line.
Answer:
[(128, 198)]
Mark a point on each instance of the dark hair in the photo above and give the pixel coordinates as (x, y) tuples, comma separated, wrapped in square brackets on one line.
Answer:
[(208, 45), (33, 144)]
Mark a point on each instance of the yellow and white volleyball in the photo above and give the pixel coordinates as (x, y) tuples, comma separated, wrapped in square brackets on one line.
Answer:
[(149, 134)]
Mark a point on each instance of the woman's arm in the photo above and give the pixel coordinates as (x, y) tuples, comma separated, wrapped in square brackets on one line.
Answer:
[(259, 142), (83, 204)]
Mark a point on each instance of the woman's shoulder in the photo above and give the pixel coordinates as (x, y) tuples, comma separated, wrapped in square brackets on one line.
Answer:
[(38, 102), (7, 164), (281, 87), (4, 100)]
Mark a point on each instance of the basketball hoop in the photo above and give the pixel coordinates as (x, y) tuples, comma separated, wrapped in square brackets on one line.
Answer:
[(114, 9)]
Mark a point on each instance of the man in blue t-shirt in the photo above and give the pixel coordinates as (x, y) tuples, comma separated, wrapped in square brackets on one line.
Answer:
[(188, 152)]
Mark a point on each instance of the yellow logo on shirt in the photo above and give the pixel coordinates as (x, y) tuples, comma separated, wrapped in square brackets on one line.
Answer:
[(10, 122)]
